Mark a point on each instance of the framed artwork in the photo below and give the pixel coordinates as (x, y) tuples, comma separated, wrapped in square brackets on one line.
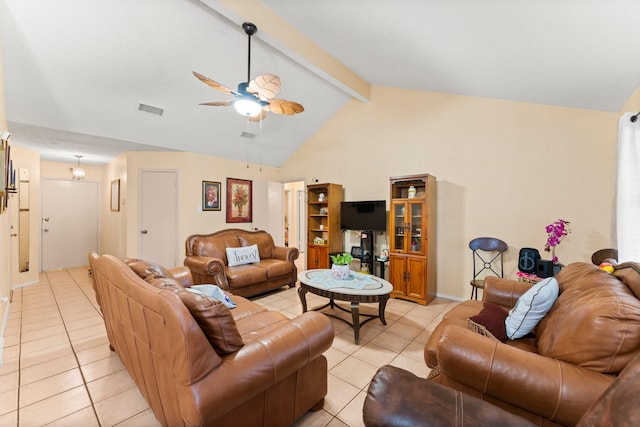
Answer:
[(211, 196), (115, 196), (239, 200)]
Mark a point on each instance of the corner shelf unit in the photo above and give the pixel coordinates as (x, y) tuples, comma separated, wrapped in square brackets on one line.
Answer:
[(324, 236)]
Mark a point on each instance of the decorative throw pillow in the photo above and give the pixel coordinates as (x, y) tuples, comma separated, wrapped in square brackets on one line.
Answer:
[(490, 322), (242, 255), (531, 307), (147, 270), (215, 320), (213, 291)]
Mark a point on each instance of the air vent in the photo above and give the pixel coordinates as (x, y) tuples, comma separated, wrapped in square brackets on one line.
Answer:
[(249, 135), (150, 109)]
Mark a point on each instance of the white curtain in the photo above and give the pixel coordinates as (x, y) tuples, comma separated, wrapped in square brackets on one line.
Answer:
[(628, 189)]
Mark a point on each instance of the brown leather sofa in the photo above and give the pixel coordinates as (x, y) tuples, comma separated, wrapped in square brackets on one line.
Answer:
[(207, 260), (397, 398), (550, 377), (198, 363)]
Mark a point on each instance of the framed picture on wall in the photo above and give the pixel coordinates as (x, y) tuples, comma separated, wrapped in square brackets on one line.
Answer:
[(115, 196), (239, 200), (211, 196)]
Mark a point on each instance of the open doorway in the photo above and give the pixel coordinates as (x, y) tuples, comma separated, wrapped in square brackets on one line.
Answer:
[(295, 216)]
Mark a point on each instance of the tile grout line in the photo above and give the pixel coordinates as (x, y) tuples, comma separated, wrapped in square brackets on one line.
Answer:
[(84, 380)]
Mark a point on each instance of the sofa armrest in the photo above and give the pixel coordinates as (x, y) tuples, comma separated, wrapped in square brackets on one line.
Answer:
[(556, 390), (207, 270), (261, 363), (285, 254), (504, 292), (183, 275), (397, 398)]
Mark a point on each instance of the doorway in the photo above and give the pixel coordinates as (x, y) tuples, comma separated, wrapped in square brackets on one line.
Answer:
[(295, 216), (159, 216), (69, 223)]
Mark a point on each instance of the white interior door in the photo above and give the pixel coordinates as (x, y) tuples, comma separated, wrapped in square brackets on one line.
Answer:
[(69, 223), (159, 217)]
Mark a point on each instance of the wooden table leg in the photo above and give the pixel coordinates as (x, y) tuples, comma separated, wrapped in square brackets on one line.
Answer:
[(355, 316), (381, 306), (302, 293)]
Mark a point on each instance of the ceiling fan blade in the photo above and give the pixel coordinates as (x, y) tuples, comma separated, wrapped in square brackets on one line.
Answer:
[(259, 117), (282, 106), (265, 85), (214, 84), (218, 103)]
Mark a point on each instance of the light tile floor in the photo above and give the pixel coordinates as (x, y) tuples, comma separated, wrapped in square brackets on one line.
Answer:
[(58, 370)]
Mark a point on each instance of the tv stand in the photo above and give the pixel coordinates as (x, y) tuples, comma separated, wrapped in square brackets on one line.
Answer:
[(367, 244)]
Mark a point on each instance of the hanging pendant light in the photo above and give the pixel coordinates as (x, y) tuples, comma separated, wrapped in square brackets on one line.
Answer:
[(77, 172)]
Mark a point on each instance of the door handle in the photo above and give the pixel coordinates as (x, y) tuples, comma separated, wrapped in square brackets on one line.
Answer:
[(46, 230), (144, 232)]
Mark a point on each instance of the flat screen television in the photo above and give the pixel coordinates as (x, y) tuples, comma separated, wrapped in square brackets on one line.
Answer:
[(366, 215)]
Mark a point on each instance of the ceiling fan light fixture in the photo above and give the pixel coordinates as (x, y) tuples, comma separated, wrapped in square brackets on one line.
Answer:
[(247, 106)]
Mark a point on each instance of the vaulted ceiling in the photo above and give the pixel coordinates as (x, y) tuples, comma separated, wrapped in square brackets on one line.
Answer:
[(76, 71)]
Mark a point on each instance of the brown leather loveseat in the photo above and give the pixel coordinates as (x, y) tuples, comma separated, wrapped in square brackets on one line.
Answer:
[(199, 363), (552, 376), (207, 259)]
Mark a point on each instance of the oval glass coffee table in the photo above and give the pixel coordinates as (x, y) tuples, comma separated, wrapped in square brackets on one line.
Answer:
[(357, 288)]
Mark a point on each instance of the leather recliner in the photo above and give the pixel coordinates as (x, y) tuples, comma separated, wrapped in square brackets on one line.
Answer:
[(397, 398), (552, 376)]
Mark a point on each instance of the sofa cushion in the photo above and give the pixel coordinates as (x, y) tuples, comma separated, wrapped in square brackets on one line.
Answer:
[(215, 320), (531, 307), (262, 239), (215, 247), (490, 322), (276, 267), (629, 273), (242, 255), (147, 270), (595, 323), (245, 275)]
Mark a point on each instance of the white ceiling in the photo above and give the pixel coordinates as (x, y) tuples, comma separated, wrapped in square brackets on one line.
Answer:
[(75, 71)]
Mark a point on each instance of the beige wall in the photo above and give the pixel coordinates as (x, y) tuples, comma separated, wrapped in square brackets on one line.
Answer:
[(633, 103), (192, 170), (5, 239), (28, 159), (504, 169)]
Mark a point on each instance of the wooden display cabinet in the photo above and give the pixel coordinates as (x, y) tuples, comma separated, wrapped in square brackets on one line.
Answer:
[(412, 231), (324, 236)]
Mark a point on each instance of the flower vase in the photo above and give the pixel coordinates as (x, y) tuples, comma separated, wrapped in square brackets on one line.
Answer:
[(340, 271)]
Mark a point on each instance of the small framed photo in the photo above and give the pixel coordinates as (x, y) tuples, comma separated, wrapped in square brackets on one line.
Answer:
[(211, 196), (239, 200), (115, 196)]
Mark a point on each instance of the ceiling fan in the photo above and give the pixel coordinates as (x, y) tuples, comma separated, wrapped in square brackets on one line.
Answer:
[(254, 98)]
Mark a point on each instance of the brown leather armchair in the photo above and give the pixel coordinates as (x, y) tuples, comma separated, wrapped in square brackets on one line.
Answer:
[(552, 376), (397, 398)]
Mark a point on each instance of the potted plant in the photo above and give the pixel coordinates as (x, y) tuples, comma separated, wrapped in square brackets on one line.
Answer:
[(340, 268)]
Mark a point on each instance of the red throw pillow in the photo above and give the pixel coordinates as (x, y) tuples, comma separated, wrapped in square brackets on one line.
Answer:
[(490, 322)]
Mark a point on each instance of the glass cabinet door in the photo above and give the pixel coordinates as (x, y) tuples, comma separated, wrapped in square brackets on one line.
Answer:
[(399, 227), (415, 220)]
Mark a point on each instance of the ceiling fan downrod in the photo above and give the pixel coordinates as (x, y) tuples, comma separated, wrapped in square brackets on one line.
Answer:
[(250, 29)]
